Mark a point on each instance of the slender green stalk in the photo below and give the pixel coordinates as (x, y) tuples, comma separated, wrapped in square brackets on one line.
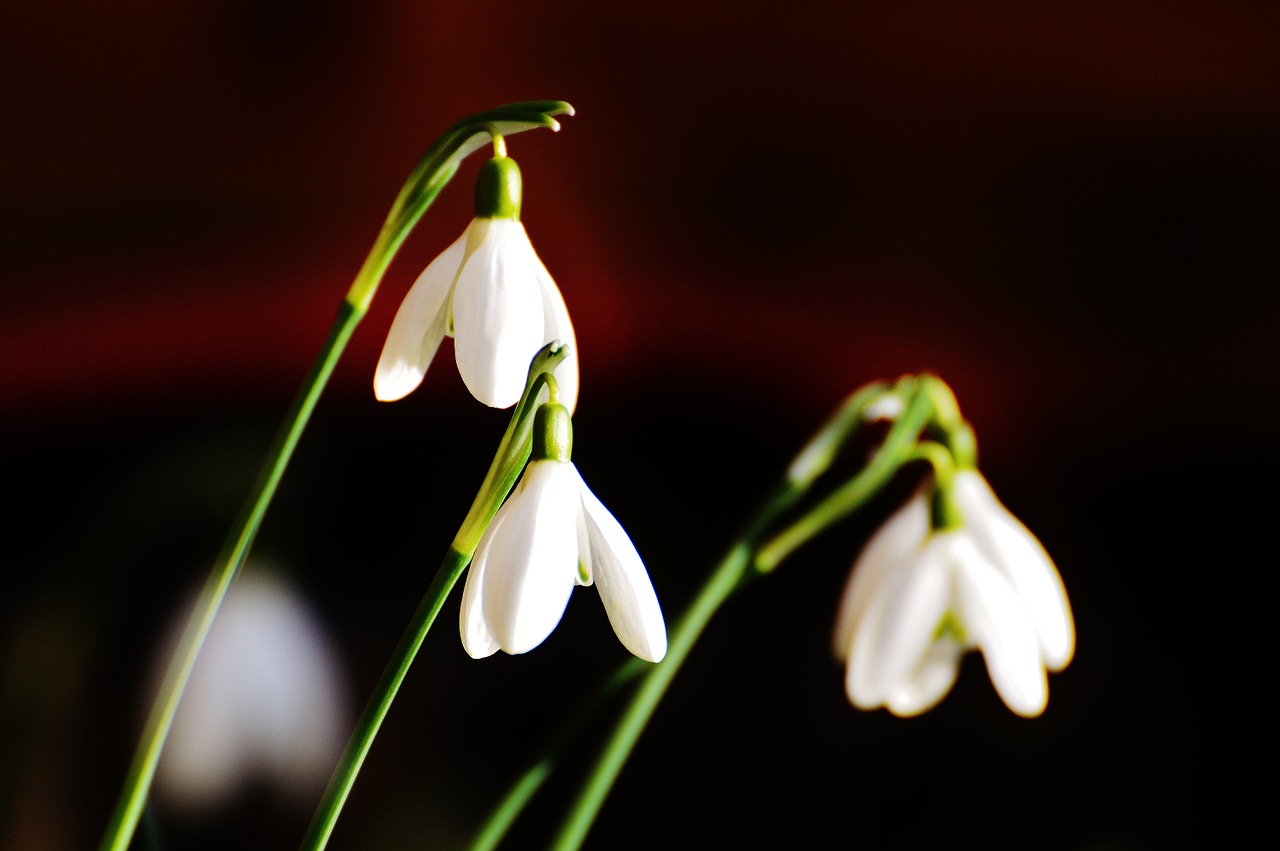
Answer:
[(723, 581), (853, 494), (528, 783), (429, 177), (335, 795), (124, 818)]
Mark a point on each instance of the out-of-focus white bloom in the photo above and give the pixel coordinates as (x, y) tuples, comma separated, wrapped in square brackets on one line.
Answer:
[(917, 599), (551, 534), (491, 293), (266, 701)]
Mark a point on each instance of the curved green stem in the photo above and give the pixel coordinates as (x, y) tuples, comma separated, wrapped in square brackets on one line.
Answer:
[(335, 795), (527, 784), (821, 450), (891, 455), (945, 512), (723, 581), (124, 818)]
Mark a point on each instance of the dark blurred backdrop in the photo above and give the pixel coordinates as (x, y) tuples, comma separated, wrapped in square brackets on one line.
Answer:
[(1066, 210)]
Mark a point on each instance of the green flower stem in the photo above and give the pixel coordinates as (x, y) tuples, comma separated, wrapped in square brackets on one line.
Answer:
[(817, 456), (944, 511), (514, 802), (507, 462), (344, 776), (728, 574), (939, 458), (124, 819), (428, 178)]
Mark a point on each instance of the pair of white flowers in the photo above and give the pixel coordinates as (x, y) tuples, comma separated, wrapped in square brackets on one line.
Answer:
[(492, 294), (918, 599)]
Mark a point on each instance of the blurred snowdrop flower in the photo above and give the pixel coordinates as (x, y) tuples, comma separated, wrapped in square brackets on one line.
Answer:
[(266, 702), (491, 293), (918, 598), (551, 534)]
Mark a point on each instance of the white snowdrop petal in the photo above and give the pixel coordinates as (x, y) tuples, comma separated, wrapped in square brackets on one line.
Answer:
[(530, 571), (998, 623), (624, 584), (1021, 558), (929, 683), (895, 633), (497, 314), (558, 326), (419, 326), (477, 639), (897, 541)]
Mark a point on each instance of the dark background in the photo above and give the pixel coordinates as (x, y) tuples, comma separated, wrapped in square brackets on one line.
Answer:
[(1065, 210)]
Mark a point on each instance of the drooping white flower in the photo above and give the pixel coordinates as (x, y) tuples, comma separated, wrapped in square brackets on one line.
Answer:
[(492, 294), (550, 535), (918, 598), (266, 702)]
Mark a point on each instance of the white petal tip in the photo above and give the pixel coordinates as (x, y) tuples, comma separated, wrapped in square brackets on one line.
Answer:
[(653, 652), (1029, 710), (479, 653), (394, 384), (387, 396)]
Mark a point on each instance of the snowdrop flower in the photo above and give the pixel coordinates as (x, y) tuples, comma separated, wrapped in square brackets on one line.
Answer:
[(491, 293), (918, 598), (266, 702), (550, 535)]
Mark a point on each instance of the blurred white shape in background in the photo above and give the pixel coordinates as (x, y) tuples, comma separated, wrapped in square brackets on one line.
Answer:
[(267, 702)]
